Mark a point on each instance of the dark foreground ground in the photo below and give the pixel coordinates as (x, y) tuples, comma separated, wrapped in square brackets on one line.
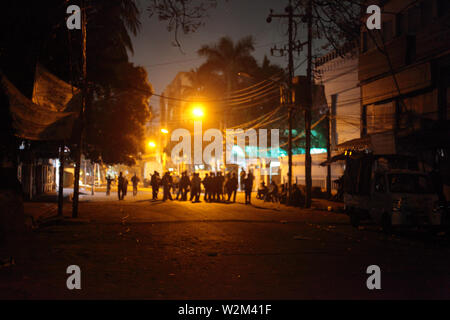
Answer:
[(139, 249)]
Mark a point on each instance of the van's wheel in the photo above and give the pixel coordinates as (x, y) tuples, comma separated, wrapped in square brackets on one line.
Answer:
[(386, 223), (355, 218)]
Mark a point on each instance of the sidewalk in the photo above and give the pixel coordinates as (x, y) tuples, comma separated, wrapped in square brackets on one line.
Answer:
[(327, 205), (45, 205), (40, 210)]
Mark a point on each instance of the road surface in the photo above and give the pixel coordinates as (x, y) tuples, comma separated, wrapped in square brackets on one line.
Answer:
[(143, 249)]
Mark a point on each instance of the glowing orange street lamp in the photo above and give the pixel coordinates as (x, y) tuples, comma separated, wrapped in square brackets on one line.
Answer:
[(198, 111), (165, 131), (151, 144)]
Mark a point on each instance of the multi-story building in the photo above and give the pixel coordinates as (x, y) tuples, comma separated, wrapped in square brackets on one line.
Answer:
[(337, 72), (404, 72)]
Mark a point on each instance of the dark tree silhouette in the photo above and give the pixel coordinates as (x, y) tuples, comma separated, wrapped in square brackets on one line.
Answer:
[(118, 90), (181, 15)]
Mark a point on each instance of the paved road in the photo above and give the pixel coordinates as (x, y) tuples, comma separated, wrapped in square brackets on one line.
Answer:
[(138, 248)]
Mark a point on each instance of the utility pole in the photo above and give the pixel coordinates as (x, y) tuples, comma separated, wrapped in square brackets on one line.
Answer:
[(308, 179), (61, 180), (290, 103), (76, 183), (328, 126)]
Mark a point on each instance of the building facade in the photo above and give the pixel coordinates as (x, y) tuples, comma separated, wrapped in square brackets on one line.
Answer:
[(404, 72)]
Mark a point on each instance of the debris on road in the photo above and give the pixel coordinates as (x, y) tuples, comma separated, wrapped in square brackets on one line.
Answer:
[(212, 254), (298, 237)]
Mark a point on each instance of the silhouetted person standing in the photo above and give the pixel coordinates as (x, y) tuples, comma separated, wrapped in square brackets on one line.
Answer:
[(135, 180), (155, 182), (183, 186), (108, 185), (212, 187), (206, 184), (195, 187), (233, 186), (120, 183), (248, 185), (167, 184), (125, 187), (220, 182), (242, 176)]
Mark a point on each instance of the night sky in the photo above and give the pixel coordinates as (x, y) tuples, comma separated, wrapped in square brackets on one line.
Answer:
[(153, 47)]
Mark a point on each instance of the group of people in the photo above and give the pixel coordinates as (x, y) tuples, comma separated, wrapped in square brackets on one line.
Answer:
[(122, 185), (216, 186), (273, 193)]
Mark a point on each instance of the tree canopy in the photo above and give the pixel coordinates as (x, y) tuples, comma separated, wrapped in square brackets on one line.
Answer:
[(118, 90)]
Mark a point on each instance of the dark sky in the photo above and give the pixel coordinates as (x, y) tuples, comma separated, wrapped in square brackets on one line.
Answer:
[(153, 47)]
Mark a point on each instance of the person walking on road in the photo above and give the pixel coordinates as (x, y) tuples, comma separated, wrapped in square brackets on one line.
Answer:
[(155, 182), (135, 180)]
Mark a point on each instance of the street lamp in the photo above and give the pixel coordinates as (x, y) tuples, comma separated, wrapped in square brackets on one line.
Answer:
[(198, 110), (165, 131), (151, 144)]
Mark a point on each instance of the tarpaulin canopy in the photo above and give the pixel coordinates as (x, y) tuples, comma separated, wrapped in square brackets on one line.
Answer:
[(50, 115), (54, 94)]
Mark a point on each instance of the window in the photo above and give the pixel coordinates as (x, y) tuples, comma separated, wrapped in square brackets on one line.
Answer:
[(410, 49), (380, 118), (413, 19), (367, 42), (410, 183)]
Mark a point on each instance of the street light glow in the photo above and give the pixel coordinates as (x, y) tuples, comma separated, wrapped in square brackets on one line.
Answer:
[(151, 144), (164, 131), (198, 111)]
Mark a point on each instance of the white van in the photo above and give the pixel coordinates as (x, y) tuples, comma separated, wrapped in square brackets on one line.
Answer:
[(396, 198)]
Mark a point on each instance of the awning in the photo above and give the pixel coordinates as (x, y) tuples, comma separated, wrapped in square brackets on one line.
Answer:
[(338, 157), (54, 94), (376, 143), (41, 122), (355, 144)]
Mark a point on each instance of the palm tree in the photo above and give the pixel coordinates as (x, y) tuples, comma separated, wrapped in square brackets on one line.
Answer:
[(228, 58), (202, 82)]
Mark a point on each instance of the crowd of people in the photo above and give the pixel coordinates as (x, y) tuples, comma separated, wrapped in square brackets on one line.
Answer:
[(217, 186)]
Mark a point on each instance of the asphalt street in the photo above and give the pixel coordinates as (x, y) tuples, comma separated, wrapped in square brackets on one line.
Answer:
[(144, 249)]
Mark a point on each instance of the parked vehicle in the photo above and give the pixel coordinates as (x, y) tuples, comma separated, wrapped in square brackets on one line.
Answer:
[(391, 191)]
